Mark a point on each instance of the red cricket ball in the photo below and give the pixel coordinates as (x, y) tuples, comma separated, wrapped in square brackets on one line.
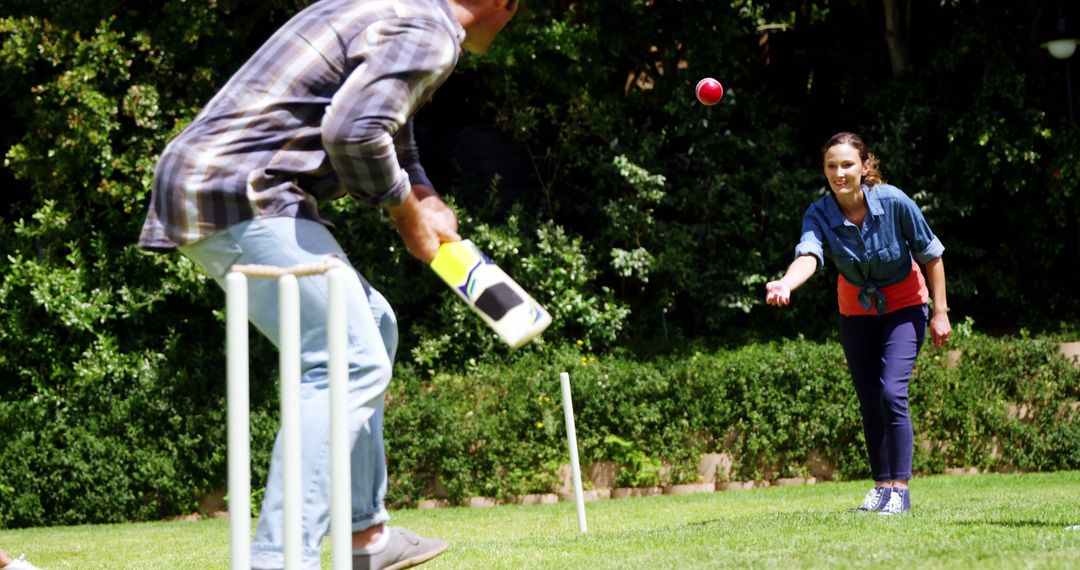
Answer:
[(709, 91)]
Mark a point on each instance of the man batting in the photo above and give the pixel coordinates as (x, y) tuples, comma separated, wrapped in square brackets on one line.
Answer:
[(323, 109)]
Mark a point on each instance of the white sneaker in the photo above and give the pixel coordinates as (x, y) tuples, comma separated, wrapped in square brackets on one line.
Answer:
[(899, 502), (875, 500), (21, 564)]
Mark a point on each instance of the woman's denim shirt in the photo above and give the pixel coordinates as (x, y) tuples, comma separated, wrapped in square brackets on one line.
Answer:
[(876, 255)]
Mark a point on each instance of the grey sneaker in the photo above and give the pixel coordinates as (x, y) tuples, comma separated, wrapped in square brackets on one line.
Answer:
[(21, 564), (875, 500), (899, 502), (404, 550)]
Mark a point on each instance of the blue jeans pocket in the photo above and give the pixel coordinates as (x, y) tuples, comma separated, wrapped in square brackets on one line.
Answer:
[(214, 254)]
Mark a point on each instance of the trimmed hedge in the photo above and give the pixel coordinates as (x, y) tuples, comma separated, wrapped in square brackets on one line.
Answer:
[(498, 431), (153, 447)]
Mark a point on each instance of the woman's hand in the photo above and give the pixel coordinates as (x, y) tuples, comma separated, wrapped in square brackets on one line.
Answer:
[(940, 329), (777, 293)]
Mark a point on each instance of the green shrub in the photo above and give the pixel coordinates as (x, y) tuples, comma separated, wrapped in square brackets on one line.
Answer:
[(636, 468), (493, 432), (1009, 404), (148, 445), (769, 406)]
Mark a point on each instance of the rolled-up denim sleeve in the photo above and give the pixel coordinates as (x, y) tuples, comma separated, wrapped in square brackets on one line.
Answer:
[(924, 245), (812, 240)]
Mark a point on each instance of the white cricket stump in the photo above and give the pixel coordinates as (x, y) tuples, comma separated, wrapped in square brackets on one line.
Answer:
[(239, 431), (571, 442)]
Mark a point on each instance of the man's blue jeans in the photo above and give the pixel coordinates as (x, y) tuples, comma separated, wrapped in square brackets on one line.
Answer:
[(373, 339)]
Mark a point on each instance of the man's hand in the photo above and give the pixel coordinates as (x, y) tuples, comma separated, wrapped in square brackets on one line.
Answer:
[(424, 222)]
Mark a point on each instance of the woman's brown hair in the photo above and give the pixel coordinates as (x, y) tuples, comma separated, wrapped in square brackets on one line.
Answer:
[(871, 171)]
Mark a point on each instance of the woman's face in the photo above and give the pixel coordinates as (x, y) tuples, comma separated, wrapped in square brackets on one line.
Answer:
[(843, 169)]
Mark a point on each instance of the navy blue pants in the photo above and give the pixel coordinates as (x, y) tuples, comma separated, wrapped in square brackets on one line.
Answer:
[(881, 351)]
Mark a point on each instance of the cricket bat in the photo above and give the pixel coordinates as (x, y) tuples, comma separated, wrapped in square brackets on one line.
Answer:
[(511, 312)]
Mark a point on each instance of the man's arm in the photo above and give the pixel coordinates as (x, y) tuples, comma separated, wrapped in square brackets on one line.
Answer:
[(367, 131), (399, 64)]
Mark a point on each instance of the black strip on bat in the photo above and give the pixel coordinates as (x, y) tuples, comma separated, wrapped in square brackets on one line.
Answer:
[(497, 300)]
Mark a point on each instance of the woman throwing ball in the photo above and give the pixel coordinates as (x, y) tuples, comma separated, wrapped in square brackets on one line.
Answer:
[(874, 234)]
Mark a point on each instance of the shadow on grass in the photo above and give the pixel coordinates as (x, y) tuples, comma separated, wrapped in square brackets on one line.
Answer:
[(1014, 524), (767, 520)]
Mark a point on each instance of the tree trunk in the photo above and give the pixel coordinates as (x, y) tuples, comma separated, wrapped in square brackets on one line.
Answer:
[(897, 26)]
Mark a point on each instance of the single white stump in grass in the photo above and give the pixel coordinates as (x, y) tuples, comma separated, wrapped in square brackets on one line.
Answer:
[(289, 364), (571, 441), (239, 452), (340, 449)]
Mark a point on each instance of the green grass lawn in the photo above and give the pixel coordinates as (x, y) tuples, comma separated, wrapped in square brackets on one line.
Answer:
[(980, 521)]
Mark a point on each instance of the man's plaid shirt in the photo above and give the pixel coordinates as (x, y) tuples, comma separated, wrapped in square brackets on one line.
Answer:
[(322, 109)]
